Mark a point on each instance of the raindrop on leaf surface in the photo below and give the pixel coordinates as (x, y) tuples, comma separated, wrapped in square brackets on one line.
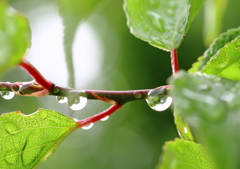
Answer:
[(7, 95), (87, 126), (158, 99)]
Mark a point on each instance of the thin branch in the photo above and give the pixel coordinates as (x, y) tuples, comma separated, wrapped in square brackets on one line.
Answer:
[(99, 116), (121, 97), (36, 75)]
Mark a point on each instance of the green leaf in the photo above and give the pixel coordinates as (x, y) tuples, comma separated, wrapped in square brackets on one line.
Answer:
[(162, 23), (181, 154), (211, 106), (217, 44), (182, 126), (196, 65), (225, 57), (72, 13), (14, 37), (28, 140)]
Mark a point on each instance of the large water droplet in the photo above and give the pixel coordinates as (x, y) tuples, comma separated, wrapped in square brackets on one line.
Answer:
[(87, 126), (77, 103), (61, 99), (105, 118), (158, 99), (7, 95)]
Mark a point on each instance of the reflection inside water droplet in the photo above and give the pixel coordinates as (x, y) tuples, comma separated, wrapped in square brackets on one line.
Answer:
[(7, 95), (105, 118), (61, 99), (158, 99), (185, 130), (87, 126), (78, 103)]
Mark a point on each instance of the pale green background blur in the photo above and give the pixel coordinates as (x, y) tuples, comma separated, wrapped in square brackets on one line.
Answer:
[(106, 57)]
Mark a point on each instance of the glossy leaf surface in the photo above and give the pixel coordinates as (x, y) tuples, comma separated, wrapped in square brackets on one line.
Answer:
[(181, 154), (14, 37), (211, 106), (162, 23), (28, 140), (217, 44), (225, 57), (182, 127)]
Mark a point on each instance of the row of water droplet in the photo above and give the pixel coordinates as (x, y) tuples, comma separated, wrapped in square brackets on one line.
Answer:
[(77, 101), (86, 127)]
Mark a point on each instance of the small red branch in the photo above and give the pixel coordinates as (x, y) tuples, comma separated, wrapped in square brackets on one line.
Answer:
[(174, 61), (99, 116), (37, 75)]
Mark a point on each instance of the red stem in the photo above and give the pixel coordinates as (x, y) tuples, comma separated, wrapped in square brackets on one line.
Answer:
[(174, 61), (37, 75), (99, 116)]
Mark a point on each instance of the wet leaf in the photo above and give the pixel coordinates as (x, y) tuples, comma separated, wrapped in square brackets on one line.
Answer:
[(211, 106), (28, 140), (181, 154), (225, 57), (217, 44), (162, 23), (14, 37), (182, 127)]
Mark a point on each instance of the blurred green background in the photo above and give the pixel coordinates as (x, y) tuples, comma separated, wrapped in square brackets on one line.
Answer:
[(106, 57)]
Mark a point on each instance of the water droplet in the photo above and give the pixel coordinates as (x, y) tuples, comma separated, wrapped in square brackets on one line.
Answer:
[(87, 126), (43, 115), (227, 97), (203, 87), (75, 119), (157, 20), (56, 90), (61, 99), (137, 95), (77, 103), (158, 99), (10, 127), (105, 118), (185, 130), (220, 62), (181, 30), (30, 156), (7, 95), (11, 157)]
